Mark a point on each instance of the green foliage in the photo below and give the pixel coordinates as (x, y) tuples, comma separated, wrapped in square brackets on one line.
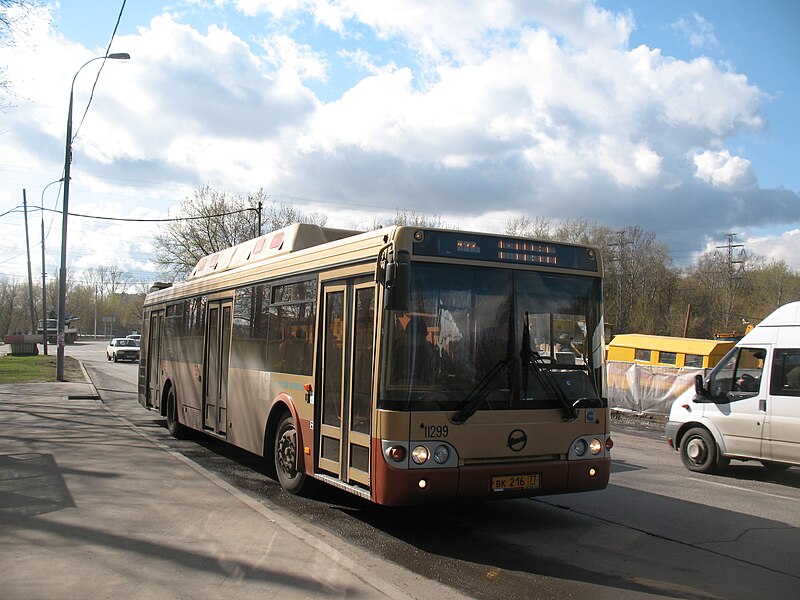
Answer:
[(40, 368)]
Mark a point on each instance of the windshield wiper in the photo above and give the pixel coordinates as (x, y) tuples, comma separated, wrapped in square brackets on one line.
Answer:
[(478, 394), (533, 361)]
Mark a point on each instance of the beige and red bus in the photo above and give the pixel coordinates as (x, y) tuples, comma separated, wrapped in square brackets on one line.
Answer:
[(406, 365)]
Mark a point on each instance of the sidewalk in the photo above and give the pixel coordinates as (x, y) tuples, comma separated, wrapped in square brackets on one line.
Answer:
[(91, 507)]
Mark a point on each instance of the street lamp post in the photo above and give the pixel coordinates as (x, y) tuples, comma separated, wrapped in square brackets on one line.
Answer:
[(62, 272), (44, 276)]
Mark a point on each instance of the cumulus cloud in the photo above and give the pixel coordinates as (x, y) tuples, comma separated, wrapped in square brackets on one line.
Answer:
[(723, 170), (780, 247), (478, 110)]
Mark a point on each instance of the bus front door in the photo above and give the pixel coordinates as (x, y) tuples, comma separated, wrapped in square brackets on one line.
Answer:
[(345, 377), (153, 360), (217, 349)]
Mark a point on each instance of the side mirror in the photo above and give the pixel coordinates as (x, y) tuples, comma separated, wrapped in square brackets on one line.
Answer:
[(397, 282), (699, 388)]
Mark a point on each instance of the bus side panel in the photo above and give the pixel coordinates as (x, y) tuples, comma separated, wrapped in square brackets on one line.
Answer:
[(247, 409), (187, 381)]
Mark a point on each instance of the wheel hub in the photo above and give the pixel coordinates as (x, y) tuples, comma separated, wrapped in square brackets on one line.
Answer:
[(287, 456), (696, 450)]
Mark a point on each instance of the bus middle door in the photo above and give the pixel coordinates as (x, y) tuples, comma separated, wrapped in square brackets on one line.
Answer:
[(347, 342), (217, 349)]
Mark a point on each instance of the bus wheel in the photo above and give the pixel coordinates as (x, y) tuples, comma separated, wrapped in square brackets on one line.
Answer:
[(174, 426), (285, 454), (699, 451)]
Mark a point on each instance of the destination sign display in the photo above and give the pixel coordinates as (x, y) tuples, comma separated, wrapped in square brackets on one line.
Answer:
[(506, 250)]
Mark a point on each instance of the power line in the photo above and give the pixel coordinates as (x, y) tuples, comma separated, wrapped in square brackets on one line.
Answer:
[(166, 220)]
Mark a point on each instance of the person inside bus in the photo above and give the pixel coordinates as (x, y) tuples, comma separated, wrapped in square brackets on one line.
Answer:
[(296, 353), (413, 353)]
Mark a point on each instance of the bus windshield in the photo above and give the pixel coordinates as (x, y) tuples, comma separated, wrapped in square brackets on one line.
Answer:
[(464, 331)]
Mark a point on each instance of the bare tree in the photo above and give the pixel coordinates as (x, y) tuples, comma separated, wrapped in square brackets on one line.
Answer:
[(12, 16), (214, 220), (405, 217), (540, 228)]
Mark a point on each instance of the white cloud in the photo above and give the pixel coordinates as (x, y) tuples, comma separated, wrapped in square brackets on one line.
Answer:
[(697, 31), (723, 170), (502, 108), (778, 247), (283, 52)]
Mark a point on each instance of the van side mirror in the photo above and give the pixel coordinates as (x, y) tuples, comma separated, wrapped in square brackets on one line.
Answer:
[(397, 282), (699, 388)]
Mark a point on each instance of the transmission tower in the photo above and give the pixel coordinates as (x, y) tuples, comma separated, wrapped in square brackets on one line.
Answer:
[(734, 271)]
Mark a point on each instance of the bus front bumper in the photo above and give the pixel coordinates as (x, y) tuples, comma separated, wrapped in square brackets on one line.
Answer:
[(396, 487)]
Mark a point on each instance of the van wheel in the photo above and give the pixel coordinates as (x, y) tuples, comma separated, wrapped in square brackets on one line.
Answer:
[(174, 426), (285, 456), (774, 467), (699, 451)]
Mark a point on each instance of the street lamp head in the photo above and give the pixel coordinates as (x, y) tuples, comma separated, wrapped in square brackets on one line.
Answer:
[(119, 56)]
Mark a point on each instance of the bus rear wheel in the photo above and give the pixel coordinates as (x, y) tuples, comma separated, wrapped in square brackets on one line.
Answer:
[(174, 426), (285, 456), (699, 451)]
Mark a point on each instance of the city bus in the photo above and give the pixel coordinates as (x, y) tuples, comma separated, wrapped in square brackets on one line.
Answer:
[(406, 365)]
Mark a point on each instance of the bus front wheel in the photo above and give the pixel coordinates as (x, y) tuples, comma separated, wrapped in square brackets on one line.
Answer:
[(285, 456)]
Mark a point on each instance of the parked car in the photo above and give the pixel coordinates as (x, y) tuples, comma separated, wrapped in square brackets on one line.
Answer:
[(135, 336), (123, 349), (748, 408)]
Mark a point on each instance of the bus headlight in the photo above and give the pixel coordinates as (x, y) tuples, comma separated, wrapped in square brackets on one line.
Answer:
[(580, 447), (420, 454), (441, 454), (595, 446)]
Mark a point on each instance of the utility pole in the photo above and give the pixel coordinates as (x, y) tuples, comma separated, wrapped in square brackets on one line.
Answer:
[(733, 273), (44, 294), (619, 272), (28, 250)]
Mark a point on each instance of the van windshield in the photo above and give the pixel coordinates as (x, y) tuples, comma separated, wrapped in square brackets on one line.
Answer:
[(738, 374)]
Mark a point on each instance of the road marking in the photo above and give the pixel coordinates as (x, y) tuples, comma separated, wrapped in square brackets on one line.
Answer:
[(735, 487)]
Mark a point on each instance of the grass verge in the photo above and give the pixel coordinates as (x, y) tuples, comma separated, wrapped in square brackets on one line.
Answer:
[(36, 369)]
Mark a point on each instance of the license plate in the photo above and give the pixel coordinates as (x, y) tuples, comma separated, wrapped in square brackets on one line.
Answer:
[(508, 483)]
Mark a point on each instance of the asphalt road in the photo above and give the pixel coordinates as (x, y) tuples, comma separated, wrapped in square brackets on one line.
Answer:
[(657, 531)]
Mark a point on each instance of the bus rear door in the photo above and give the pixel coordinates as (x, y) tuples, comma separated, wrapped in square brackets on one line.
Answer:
[(346, 359), (153, 360)]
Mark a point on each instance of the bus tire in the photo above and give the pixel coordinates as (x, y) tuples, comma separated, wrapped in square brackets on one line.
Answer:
[(699, 451), (285, 456), (174, 426)]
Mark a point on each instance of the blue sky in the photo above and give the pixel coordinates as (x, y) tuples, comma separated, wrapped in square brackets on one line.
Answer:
[(758, 39), (679, 117)]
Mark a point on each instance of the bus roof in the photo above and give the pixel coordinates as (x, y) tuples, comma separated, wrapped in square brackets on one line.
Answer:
[(281, 241), (665, 343)]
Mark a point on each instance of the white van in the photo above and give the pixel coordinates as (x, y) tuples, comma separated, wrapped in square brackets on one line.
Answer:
[(749, 405)]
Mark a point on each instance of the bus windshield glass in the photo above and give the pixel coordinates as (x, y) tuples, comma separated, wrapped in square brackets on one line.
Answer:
[(464, 332)]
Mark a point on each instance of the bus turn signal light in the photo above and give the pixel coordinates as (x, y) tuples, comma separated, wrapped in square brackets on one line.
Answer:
[(396, 453)]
